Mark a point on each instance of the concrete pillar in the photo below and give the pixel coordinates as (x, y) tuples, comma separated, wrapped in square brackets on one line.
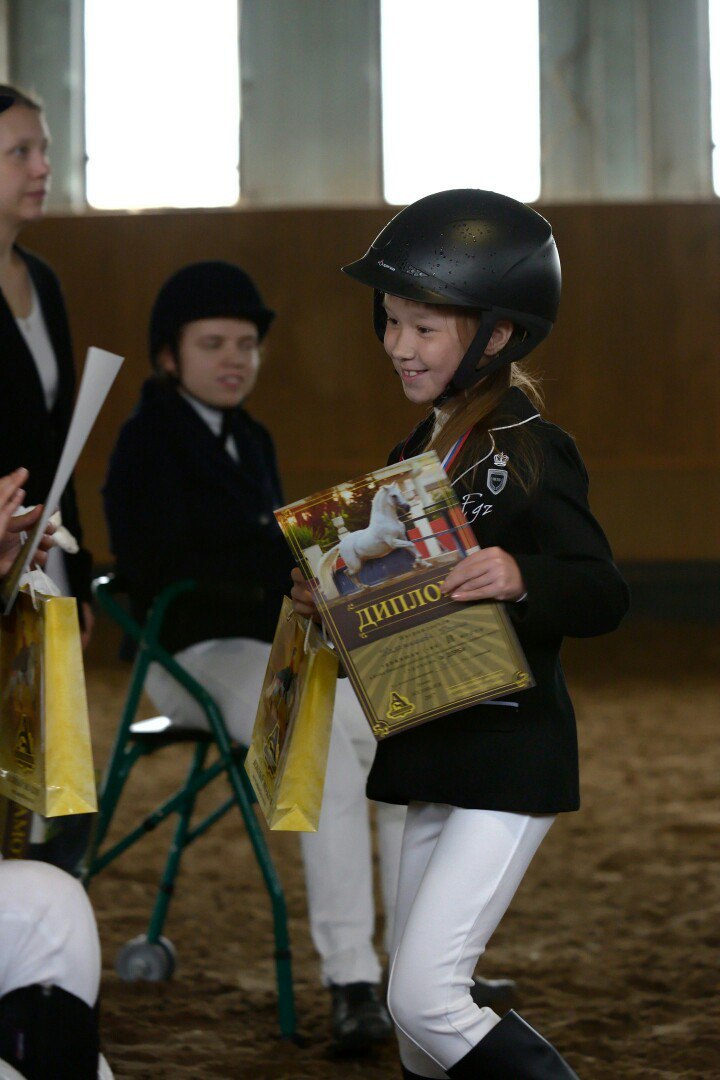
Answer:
[(310, 77), (625, 99), (4, 65), (45, 42), (678, 35)]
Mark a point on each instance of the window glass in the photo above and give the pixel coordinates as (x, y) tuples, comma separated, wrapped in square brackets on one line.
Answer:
[(162, 93), (461, 97)]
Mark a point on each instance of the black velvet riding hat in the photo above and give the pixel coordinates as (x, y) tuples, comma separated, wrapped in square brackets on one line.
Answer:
[(205, 290)]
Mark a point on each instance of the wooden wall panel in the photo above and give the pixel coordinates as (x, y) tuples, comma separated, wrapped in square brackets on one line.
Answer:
[(631, 369)]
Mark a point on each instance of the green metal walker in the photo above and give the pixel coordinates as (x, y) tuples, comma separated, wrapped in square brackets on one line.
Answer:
[(152, 956)]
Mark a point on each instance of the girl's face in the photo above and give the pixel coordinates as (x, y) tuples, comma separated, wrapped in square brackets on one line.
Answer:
[(24, 164), (424, 346), (219, 360)]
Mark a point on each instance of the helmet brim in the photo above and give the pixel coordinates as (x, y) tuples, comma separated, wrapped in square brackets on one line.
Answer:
[(386, 279)]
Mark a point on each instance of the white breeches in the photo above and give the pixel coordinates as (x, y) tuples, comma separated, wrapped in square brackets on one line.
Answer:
[(338, 858), (459, 870), (47, 931)]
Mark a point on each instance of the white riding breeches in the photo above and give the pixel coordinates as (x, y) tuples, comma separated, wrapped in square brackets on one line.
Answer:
[(48, 934), (338, 858), (459, 870)]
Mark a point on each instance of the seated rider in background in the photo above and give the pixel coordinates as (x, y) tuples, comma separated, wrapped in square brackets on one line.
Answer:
[(190, 493)]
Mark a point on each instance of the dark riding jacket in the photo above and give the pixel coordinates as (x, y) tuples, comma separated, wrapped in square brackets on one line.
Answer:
[(178, 506), (30, 435), (521, 756)]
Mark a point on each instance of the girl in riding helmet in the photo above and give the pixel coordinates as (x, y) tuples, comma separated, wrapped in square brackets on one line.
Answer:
[(466, 284)]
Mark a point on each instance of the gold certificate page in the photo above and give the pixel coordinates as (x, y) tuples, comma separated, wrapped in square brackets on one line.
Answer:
[(375, 551), (416, 654)]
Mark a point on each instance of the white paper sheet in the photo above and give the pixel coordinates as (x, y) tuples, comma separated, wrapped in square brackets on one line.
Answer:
[(99, 373)]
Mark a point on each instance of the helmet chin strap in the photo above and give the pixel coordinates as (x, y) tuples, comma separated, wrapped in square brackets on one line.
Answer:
[(468, 373)]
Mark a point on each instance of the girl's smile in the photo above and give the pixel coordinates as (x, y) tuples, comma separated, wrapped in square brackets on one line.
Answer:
[(424, 346)]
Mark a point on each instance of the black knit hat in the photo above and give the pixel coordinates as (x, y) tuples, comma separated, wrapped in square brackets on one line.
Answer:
[(205, 290)]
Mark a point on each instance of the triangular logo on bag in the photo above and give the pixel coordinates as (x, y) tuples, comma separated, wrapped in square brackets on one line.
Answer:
[(271, 750), (399, 707), (25, 744)]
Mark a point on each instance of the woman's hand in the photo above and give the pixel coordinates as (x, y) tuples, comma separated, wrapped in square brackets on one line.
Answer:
[(11, 496), (488, 574), (302, 598)]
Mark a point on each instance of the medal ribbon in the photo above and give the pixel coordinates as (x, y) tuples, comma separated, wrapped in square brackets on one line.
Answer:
[(449, 459)]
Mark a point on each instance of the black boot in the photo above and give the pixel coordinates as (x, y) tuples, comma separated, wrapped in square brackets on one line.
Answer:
[(496, 994), (359, 1018), (512, 1051), (47, 1033)]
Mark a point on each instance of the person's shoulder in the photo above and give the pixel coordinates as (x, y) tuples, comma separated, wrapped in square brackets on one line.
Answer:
[(40, 269), (517, 412), (522, 425), (559, 451), (152, 447), (553, 435), (46, 282), (153, 417), (556, 437)]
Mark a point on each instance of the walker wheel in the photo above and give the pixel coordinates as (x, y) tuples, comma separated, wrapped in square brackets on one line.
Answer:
[(141, 960)]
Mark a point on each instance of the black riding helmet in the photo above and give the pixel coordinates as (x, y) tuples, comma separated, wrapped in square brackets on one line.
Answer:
[(204, 290), (475, 249)]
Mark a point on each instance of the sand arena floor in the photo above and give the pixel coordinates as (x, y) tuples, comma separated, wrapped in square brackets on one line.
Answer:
[(613, 936)]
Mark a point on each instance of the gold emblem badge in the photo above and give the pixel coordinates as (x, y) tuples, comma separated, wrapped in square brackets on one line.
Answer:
[(400, 707)]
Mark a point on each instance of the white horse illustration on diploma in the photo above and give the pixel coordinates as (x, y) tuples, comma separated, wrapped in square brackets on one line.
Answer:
[(384, 534)]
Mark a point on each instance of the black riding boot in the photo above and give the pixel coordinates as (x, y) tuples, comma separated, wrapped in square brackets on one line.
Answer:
[(47, 1033), (512, 1050), (497, 994)]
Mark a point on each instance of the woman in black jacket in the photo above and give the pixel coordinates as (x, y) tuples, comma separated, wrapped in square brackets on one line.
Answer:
[(37, 374), (467, 282)]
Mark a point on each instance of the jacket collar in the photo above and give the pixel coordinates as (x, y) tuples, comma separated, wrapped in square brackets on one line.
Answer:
[(160, 398), (515, 409), (160, 391)]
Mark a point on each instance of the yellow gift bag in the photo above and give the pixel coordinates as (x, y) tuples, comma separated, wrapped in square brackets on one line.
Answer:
[(45, 753), (15, 825), (287, 758)]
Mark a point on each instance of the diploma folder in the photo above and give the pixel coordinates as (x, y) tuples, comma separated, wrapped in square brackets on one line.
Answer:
[(375, 551)]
